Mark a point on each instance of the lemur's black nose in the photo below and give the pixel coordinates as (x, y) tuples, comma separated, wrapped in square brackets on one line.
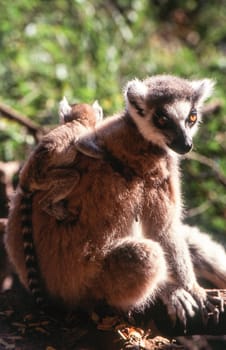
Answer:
[(181, 144), (187, 145)]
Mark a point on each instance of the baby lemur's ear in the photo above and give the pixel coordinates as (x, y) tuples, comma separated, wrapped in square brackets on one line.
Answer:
[(98, 111), (135, 93), (203, 89), (64, 110)]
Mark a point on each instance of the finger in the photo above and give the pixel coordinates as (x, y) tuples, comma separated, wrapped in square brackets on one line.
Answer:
[(204, 315), (217, 300), (188, 301), (214, 311), (181, 315), (172, 313), (203, 309)]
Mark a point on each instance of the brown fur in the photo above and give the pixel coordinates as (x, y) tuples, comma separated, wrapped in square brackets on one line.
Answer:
[(97, 255), (84, 114), (81, 262), (46, 169), (49, 166)]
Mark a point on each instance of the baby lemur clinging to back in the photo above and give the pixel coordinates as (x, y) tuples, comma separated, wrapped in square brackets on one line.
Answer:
[(49, 169), (49, 166), (98, 256)]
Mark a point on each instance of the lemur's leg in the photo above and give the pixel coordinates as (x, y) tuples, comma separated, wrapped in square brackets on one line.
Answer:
[(132, 272)]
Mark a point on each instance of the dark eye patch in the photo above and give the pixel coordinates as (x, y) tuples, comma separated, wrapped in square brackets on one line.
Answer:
[(162, 120)]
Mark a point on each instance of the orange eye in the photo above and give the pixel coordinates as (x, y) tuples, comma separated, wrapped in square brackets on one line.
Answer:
[(192, 117)]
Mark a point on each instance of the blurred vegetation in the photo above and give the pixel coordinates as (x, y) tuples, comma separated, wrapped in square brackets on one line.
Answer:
[(86, 49)]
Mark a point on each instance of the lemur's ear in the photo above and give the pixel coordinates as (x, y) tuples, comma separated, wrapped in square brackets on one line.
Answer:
[(98, 111), (203, 89), (64, 110), (135, 93)]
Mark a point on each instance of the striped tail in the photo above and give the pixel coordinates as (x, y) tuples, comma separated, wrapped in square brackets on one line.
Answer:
[(31, 262)]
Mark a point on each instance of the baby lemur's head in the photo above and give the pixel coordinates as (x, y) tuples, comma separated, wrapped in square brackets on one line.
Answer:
[(166, 109), (88, 115)]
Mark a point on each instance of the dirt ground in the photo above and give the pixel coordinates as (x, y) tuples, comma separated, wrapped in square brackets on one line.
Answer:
[(23, 327)]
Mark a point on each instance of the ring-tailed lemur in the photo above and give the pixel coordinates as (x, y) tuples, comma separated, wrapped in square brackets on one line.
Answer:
[(98, 256)]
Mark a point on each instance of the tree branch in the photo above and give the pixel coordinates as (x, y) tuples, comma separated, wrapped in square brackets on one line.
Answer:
[(195, 325), (210, 163), (35, 130)]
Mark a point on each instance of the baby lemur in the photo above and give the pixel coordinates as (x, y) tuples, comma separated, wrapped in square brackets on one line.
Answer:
[(99, 255), (49, 168), (49, 165)]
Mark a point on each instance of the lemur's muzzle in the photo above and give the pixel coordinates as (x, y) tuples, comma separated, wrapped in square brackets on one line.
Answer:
[(182, 143)]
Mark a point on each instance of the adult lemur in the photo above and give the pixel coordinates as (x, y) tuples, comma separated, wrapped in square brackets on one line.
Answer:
[(97, 255)]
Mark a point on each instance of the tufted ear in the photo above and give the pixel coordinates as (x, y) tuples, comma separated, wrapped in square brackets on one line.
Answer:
[(135, 93), (64, 110), (98, 111), (203, 89)]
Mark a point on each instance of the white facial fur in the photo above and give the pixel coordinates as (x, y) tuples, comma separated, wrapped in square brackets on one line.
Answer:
[(180, 111), (137, 93)]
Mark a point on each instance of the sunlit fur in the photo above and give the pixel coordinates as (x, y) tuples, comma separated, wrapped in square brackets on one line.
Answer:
[(102, 254), (176, 95), (49, 165), (49, 168)]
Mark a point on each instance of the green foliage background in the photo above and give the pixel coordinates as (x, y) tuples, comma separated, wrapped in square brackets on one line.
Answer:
[(88, 49)]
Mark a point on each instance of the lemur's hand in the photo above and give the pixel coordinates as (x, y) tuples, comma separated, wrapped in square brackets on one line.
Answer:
[(181, 303)]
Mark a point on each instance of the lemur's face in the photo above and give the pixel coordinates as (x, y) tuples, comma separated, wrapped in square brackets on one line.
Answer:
[(175, 125), (166, 109)]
